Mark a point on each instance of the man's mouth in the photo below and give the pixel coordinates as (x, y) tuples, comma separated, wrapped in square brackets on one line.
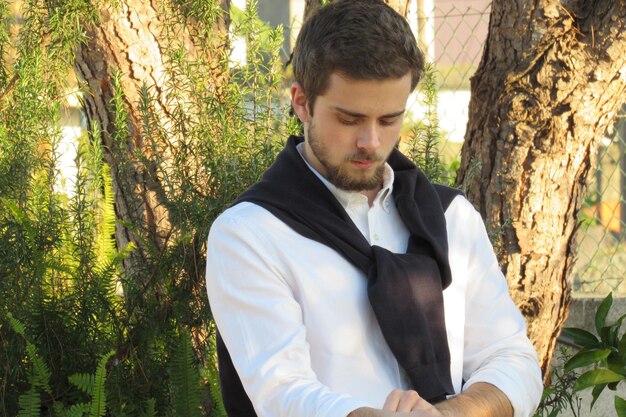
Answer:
[(363, 163)]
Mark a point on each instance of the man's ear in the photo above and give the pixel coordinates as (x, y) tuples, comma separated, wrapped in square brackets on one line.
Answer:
[(299, 102)]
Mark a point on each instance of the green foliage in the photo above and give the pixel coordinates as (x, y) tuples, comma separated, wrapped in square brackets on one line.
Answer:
[(39, 375), (425, 136), (212, 378), (559, 397), (606, 353), (185, 379), (93, 385), (66, 280), (30, 403)]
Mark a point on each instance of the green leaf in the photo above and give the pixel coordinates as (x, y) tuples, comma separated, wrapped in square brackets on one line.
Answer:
[(621, 348), (84, 382), (615, 328), (98, 398), (16, 325), (596, 377), (185, 379), (150, 408), (615, 363), (585, 358), (547, 391), (620, 406), (77, 410), (40, 376), (595, 393), (582, 337), (30, 404), (603, 311)]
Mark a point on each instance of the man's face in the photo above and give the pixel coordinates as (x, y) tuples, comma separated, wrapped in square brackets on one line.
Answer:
[(353, 128)]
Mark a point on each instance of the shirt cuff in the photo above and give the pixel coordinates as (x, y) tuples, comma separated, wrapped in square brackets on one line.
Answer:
[(522, 398)]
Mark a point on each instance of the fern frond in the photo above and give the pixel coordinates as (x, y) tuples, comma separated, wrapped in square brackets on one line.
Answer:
[(105, 249), (98, 397), (84, 382), (40, 376), (30, 403), (215, 390), (77, 410), (185, 379), (16, 325), (150, 409)]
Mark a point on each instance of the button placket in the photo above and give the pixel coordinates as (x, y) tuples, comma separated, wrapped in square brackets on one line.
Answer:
[(372, 216)]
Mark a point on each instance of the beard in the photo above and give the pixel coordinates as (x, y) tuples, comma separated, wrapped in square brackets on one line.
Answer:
[(339, 174)]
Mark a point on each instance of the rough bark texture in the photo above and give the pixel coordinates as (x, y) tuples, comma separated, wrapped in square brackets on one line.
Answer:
[(551, 80), (400, 6), (131, 39)]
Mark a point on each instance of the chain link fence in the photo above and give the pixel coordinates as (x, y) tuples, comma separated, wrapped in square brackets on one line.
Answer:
[(600, 264), (460, 29)]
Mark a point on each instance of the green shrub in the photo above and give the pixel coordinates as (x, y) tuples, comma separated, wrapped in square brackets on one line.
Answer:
[(62, 274), (605, 353)]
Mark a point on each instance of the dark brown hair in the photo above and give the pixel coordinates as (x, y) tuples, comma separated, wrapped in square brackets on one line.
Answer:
[(363, 39)]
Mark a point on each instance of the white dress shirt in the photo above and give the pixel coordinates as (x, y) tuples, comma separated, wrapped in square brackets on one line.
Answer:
[(297, 322)]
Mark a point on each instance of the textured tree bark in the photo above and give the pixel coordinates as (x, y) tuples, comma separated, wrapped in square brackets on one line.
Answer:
[(551, 80), (131, 39), (400, 6)]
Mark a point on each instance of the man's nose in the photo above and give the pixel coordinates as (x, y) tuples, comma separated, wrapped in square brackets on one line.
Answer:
[(369, 137)]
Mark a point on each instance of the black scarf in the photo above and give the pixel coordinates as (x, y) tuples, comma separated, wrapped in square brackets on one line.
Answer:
[(405, 290)]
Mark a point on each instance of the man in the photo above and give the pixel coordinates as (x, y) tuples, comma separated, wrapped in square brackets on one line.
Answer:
[(344, 283)]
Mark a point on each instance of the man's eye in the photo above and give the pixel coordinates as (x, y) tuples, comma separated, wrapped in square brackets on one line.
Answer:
[(347, 122), (388, 122)]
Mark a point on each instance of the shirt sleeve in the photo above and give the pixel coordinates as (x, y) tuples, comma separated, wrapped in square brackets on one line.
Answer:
[(261, 322), (496, 347)]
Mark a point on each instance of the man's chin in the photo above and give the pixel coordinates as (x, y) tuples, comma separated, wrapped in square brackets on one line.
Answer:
[(359, 186)]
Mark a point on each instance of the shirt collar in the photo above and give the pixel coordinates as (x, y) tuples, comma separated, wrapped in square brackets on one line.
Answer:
[(346, 198)]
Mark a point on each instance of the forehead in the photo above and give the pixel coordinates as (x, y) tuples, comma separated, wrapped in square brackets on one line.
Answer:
[(370, 97)]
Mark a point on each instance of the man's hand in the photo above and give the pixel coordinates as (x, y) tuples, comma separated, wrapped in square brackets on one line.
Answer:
[(407, 401), (400, 403), (479, 400)]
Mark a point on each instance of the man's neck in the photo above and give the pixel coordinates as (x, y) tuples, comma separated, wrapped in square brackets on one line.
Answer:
[(371, 194)]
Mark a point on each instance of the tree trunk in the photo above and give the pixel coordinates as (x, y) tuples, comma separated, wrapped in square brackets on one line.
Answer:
[(400, 6), (130, 43), (550, 82)]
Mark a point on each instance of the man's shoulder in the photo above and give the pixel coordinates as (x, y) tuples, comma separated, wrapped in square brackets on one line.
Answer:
[(447, 194), (244, 212), (247, 217)]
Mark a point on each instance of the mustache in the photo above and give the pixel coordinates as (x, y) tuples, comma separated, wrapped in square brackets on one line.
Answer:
[(365, 156)]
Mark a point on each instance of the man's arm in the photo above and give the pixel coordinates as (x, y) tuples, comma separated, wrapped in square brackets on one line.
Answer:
[(479, 400), (260, 320), (495, 348)]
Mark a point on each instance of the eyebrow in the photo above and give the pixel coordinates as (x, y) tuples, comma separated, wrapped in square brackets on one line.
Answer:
[(361, 115)]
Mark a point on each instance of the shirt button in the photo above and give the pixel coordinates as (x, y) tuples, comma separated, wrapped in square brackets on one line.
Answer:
[(376, 238)]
